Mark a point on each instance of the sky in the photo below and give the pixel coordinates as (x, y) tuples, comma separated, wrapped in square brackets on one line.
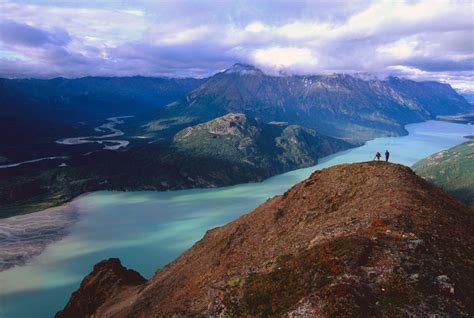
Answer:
[(421, 40)]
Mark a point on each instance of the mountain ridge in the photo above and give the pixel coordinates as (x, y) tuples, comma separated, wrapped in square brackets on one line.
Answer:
[(354, 240), (336, 105)]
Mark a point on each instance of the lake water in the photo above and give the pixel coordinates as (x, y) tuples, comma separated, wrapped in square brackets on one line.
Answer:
[(146, 230)]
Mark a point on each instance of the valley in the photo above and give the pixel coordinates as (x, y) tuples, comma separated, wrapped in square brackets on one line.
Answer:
[(283, 123), (109, 144), (37, 112), (16, 164), (199, 152), (146, 230), (227, 150), (227, 159)]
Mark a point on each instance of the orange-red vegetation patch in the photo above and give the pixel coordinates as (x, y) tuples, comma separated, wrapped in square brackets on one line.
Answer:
[(297, 276), (378, 223)]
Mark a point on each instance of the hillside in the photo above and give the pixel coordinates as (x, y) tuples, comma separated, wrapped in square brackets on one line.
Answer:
[(228, 150), (243, 141), (464, 118), (338, 105), (452, 170), (355, 240)]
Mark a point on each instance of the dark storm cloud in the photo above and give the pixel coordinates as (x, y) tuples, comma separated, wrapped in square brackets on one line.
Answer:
[(442, 65), (16, 33)]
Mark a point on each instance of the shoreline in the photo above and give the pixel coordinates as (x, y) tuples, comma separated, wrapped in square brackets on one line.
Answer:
[(405, 133), (25, 236), (61, 218), (114, 119)]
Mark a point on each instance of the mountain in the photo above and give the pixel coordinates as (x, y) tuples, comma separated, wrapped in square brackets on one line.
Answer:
[(452, 170), (469, 96), (338, 105), (356, 240), (227, 150), (35, 112), (243, 141)]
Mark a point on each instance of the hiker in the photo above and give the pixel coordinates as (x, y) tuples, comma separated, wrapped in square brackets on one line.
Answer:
[(377, 156), (387, 155)]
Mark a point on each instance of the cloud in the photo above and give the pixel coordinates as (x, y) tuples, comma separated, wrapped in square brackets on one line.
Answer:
[(401, 49), (417, 39), (22, 34), (255, 27), (284, 57), (442, 65)]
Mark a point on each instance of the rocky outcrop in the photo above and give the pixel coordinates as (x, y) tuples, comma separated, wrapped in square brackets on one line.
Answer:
[(354, 240), (108, 279), (232, 124)]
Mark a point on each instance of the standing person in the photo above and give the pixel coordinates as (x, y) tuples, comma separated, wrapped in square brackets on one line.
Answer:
[(387, 155), (377, 156)]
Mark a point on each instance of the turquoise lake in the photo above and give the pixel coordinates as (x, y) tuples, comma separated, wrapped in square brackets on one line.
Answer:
[(146, 230)]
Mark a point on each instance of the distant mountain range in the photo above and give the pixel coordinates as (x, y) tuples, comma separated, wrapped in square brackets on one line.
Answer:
[(352, 108), (86, 98), (361, 240), (239, 125), (339, 105)]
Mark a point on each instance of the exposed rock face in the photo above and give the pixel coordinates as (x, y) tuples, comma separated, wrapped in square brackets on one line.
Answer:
[(108, 279), (358, 240), (232, 124)]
